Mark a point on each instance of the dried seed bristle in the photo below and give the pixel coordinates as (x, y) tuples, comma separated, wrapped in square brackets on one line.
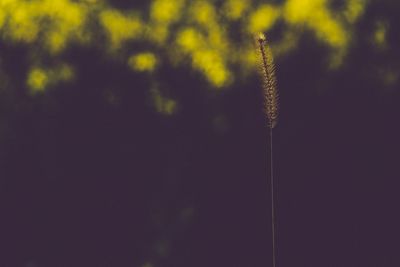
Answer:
[(267, 71)]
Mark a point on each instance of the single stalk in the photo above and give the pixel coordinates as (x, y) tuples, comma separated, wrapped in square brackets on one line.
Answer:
[(267, 73), (272, 199)]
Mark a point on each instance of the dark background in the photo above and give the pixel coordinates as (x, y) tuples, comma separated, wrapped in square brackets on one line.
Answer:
[(85, 183)]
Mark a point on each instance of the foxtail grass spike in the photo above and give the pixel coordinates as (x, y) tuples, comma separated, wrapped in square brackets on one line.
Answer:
[(267, 71)]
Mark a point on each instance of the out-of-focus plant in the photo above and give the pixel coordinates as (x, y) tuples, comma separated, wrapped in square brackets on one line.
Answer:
[(212, 39)]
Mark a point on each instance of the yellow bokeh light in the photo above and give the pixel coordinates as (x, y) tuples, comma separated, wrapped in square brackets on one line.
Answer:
[(316, 15), (166, 11), (329, 30), (170, 106), (64, 73), (286, 44), (379, 35), (389, 77), (210, 61), (234, 9), (143, 62), (56, 41), (190, 39), (58, 20), (157, 33), (212, 65), (120, 27), (263, 18), (22, 23), (199, 30), (164, 105), (300, 11), (69, 19), (203, 13), (354, 9), (218, 40), (37, 80), (2, 18), (162, 14)]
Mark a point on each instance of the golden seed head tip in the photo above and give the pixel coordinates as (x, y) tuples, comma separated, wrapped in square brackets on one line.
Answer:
[(261, 37)]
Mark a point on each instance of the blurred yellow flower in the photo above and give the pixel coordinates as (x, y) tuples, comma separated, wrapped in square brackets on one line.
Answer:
[(162, 104), (211, 63), (189, 39), (263, 18), (199, 30), (234, 9), (37, 80), (120, 27), (166, 11), (143, 62), (354, 9), (203, 13)]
